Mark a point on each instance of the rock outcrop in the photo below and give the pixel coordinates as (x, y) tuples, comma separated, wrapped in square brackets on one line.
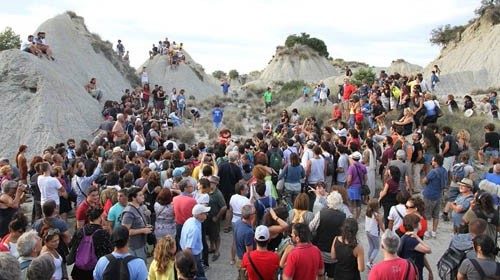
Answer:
[(403, 67), (44, 102), (189, 76), (471, 62), (298, 63)]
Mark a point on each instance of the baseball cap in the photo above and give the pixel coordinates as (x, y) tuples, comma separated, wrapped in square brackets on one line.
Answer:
[(261, 233), (178, 171), (199, 209), (355, 156), (203, 199)]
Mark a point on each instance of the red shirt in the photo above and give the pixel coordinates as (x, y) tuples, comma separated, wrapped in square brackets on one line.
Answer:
[(266, 262), (304, 262), (81, 212), (183, 205), (336, 114), (348, 91), (421, 232), (392, 270)]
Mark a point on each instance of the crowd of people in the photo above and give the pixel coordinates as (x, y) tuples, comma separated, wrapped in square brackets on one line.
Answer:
[(293, 196)]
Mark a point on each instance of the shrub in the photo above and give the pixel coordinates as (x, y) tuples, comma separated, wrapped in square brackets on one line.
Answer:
[(305, 39), (443, 35), (363, 74), (233, 74), (474, 125), (289, 92), (219, 74), (9, 39), (184, 134)]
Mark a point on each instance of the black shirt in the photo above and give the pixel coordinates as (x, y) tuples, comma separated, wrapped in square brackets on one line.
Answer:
[(492, 139)]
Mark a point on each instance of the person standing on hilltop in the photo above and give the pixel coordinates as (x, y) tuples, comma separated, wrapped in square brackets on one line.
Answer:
[(268, 99), (225, 87), (217, 115), (120, 49)]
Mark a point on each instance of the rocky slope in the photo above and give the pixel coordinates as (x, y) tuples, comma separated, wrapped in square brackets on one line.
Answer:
[(473, 61), (297, 63), (44, 102), (189, 76)]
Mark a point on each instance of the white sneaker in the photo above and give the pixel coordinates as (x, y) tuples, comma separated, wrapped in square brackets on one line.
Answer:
[(427, 234), (433, 234)]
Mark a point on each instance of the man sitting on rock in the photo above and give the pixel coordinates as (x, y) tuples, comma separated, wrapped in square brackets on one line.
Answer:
[(91, 88), (30, 46), (42, 45)]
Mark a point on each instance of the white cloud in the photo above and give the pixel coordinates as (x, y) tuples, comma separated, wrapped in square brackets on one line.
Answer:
[(223, 34)]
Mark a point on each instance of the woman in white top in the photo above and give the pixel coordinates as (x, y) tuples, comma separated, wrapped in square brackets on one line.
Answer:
[(139, 143), (316, 167), (51, 242)]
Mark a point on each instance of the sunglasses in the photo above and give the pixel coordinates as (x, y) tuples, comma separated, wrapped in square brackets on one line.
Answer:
[(409, 207)]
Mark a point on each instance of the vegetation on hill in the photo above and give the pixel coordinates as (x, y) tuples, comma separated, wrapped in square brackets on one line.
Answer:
[(363, 74), (305, 39), (9, 39), (219, 74), (106, 48), (341, 63), (233, 74), (445, 34)]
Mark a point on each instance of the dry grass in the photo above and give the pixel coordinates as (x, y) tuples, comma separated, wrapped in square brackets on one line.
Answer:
[(474, 125), (184, 134)]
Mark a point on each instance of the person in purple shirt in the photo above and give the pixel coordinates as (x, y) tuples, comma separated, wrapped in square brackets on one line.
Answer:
[(356, 175)]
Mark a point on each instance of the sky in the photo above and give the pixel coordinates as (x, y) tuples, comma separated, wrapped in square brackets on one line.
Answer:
[(243, 35)]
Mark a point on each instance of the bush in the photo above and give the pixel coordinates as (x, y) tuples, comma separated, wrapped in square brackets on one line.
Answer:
[(443, 35), (219, 74), (289, 92), (9, 39), (233, 74), (184, 134), (363, 74), (305, 39), (487, 5)]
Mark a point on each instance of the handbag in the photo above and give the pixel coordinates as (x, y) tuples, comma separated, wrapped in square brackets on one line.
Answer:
[(150, 237), (365, 190)]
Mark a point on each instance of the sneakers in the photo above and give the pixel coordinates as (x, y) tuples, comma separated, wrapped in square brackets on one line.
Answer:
[(427, 234), (445, 217), (369, 266), (433, 234)]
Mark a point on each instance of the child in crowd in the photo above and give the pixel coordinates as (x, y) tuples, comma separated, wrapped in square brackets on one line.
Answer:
[(373, 226), (452, 104)]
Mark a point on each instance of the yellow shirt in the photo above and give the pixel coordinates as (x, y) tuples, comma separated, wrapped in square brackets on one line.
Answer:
[(196, 174), (154, 275)]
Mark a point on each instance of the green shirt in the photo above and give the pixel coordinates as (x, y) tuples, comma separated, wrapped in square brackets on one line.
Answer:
[(268, 97)]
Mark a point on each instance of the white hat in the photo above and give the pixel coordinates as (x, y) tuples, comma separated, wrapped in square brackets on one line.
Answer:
[(261, 233), (355, 156), (468, 113), (200, 209)]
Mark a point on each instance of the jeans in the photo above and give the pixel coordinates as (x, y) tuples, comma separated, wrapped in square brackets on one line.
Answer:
[(200, 273), (178, 230), (374, 245)]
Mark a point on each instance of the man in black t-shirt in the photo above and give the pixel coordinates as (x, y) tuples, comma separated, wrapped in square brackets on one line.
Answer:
[(449, 148), (417, 161)]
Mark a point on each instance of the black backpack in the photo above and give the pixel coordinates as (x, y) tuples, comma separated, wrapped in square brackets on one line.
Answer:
[(330, 165), (450, 261), (117, 268)]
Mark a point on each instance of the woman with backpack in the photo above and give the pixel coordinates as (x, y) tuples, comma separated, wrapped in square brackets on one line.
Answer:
[(292, 175), (484, 266), (87, 245)]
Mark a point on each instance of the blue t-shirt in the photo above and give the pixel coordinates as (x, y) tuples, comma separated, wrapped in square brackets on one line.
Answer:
[(217, 114), (262, 204), (436, 181), (492, 177), (407, 251), (114, 214), (243, 236), (225, 87), (136, 268)]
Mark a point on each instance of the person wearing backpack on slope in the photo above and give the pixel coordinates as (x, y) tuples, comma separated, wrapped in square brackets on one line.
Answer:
[(484, 266), (462, 203), (112, 266), (89, 244)]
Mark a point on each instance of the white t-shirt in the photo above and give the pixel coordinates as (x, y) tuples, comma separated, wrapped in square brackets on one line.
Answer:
[(49, 188), (144, 77), (236, 203), (395, 217), (308, 154)]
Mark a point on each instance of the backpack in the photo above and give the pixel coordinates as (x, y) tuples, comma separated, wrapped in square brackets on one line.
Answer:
[(86, 258), (276, 161), (158, 167), (117, 268), (458, 172), (449, 263), (330, 165), (327, 92), (483, 275), (149, 142)]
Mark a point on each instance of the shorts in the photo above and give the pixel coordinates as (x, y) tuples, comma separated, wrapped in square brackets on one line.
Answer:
[(432, 208), (268, 105), (354, 193), (212, 229), (489, 152), (448, 163), (427, 158)]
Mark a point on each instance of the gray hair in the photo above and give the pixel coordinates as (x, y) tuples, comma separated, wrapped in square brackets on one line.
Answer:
[(41, 268), (27, 243), (390, 241), (334, 200), (9, 186), (183, 184), (9, 266), (400, 154), (247, 211), (233, 156)]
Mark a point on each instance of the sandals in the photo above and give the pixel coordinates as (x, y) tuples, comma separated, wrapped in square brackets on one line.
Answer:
[(227, 230), (215, 257)]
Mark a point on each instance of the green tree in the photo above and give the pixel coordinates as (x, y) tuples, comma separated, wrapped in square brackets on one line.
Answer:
[(9, 39), (443, 35), (219, 74), (305, 39), (233, 74), (485, 5), (363, 74)]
